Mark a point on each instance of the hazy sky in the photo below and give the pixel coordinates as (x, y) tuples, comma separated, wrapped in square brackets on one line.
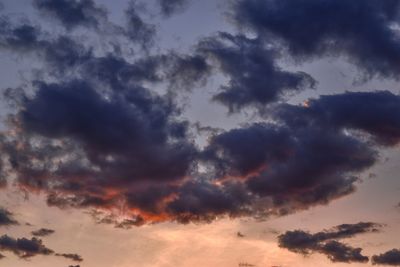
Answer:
[(199, 133)]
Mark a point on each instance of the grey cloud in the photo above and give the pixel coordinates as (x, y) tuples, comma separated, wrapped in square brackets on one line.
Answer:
[(170, 7), (362, 32), (43, 232), (7, 218), (391, 257), (23, 247), (72, 13), (325, 242), (255, 79)]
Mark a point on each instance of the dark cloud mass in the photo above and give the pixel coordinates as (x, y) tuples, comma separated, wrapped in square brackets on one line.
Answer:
[(254, 77), (325, 242), (286, 164), (362, 31), (75, 110), (277, 167), (391, 257)]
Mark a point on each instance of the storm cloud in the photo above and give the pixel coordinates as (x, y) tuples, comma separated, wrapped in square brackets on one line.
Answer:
[(261, 169), (282, 163), (363, 32)]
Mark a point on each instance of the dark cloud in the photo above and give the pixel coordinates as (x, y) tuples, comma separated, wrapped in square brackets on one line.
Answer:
[(338, 252), (364, 32), (66, 56), (112, 86), (18, 36), (170, 7), (391, 257), (285, 164), (6, 218), (254, 77), (95, 147), (205, 202), (313, 153), (116, 72), (349, 230), (73, 257), (325, 242), (308, 156), (23, 247), (137, 29), (302, 242), (72, 13), (185, 71), (43, 232), (374, 113), (277, 167), (26, 248), (61, 53), (75, 110), (86, 13)]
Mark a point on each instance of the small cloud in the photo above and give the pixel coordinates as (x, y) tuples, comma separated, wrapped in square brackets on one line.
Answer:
[(391, 257), (325, 242), (71, 256), (239, 234), (6, 218), (23, 247), (43, 232)]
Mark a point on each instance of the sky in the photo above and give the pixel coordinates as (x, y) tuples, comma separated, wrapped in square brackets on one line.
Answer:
[(214, 133)]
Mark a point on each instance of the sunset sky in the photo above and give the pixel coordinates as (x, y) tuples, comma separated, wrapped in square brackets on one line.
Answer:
[(192, 133)]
